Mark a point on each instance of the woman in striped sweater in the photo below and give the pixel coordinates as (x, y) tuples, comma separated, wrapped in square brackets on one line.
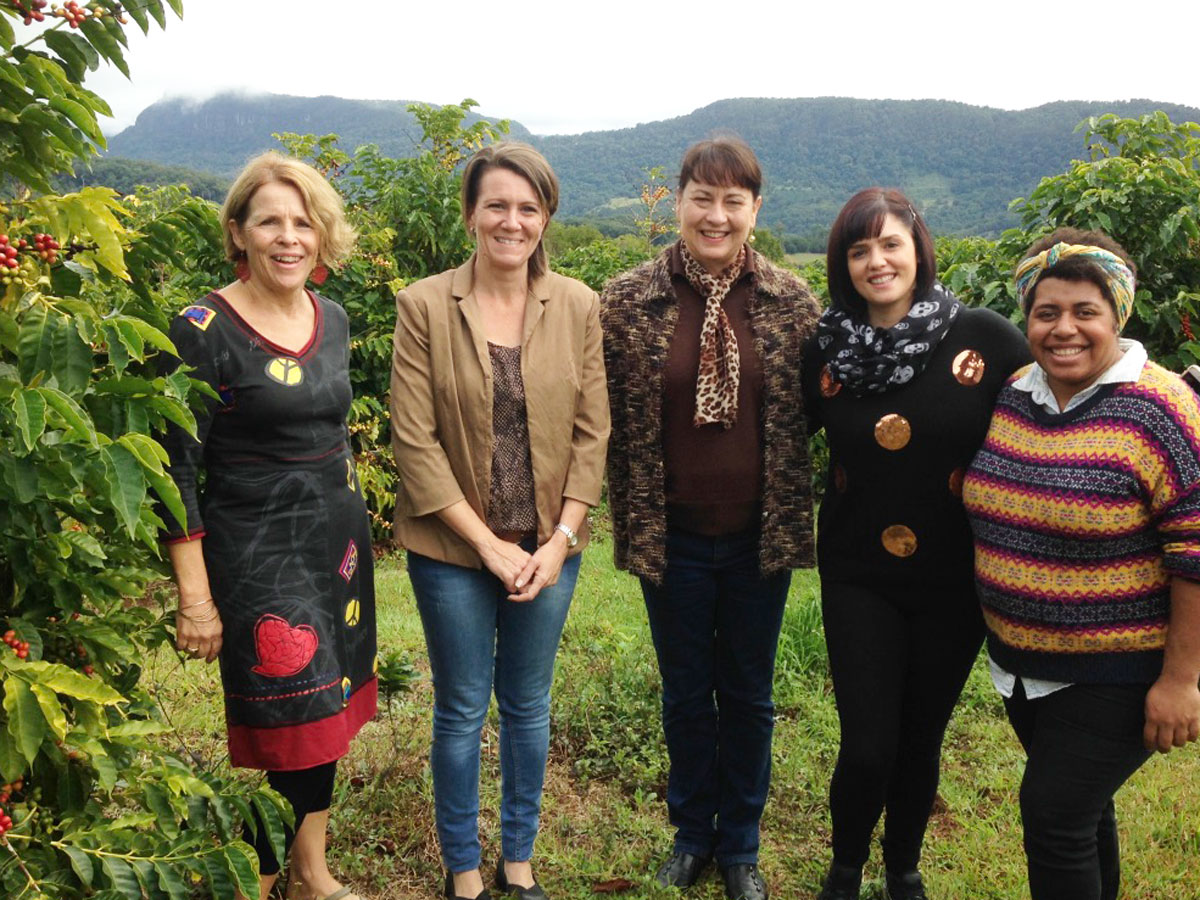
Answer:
[(1085, 507)]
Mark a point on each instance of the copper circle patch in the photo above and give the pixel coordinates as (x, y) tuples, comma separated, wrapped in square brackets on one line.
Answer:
[(893, 431), (829, 385), (968, 367), (956, 482), (899, 540), (839, 479)]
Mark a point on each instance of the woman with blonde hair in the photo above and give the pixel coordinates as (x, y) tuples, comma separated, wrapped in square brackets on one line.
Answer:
[(273, 558), (499, 427)]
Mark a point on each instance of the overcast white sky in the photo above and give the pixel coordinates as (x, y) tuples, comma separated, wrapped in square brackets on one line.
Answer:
[(566, 66)]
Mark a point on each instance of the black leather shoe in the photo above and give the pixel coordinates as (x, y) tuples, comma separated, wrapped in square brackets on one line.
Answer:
[(682, 870), (841, 883), (515, 890), (449, 891), (742, 882), (906, 886)]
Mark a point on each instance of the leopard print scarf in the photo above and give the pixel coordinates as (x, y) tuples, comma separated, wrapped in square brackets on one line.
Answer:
[(720, 366)]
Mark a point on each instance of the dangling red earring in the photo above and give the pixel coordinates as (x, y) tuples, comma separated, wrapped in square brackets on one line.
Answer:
[(318, 275), (242, 269)]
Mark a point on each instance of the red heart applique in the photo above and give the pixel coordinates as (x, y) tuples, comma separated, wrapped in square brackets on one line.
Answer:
[(283, 649)]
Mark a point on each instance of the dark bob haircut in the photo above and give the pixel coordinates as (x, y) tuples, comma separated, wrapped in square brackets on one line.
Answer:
[(1077, 268), (862, 218), (723, 161)]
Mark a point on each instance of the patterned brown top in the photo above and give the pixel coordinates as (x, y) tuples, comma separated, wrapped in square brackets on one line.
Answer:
[(639, 311), (510, 502)]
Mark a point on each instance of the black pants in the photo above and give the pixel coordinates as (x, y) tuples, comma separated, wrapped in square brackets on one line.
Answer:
[(899, 661), (1083, 743), (308, 790)]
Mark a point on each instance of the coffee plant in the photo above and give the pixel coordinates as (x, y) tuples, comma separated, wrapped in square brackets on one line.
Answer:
[(1140, 183), (95, 800)]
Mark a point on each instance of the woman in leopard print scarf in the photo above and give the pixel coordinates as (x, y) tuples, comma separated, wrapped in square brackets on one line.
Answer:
[(708, 485)]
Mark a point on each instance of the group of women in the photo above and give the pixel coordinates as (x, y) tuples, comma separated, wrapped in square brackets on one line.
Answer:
[(703, 373)]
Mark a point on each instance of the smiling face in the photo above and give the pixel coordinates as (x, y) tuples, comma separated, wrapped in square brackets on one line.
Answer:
[(715, 221), (883, 270), (1072, 335), (508, 220), (279, 239)]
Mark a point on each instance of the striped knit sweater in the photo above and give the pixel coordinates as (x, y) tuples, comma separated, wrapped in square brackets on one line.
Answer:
[(1081, 520)]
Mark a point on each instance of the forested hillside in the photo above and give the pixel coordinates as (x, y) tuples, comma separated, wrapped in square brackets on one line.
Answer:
[(220, 134), (963, 164)]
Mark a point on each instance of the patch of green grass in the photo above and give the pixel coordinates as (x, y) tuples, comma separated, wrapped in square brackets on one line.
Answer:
[(603, 814)]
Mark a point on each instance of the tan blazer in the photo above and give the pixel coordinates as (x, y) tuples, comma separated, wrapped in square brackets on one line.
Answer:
[(441, 405)]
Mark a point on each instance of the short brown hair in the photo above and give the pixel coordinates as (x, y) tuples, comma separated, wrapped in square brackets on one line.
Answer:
[(525, 161), (1077, 268), (723, 161), (321, 201), (862, 217)]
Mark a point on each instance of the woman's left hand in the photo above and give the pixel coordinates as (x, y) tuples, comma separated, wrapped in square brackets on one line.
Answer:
[(1173, 703), (1172, 714), (542, 570)]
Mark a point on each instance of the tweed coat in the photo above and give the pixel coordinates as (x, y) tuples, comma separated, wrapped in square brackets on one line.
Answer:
[(639, 311)]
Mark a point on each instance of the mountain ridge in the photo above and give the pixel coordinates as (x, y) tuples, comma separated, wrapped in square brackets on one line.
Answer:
[(961, 164)]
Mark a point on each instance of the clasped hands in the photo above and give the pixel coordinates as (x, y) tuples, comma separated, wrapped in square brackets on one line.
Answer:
[(524, 574)]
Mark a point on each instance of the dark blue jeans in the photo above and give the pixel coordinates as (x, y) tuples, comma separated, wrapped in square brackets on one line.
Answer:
[(715, 622)]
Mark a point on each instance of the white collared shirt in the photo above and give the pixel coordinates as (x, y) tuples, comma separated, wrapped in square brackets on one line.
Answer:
[(1126, 369)]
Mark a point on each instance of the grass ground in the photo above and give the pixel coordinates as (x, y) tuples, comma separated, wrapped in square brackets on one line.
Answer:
[(604, 822)]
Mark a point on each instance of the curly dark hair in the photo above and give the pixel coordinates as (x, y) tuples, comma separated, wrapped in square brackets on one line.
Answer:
[(1077, 268)]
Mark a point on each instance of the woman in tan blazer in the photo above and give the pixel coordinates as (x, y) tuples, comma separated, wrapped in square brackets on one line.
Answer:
[(499, 426)]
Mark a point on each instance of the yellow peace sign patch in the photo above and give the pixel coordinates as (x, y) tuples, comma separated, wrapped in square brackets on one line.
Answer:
[(285, 370), (353, 613)]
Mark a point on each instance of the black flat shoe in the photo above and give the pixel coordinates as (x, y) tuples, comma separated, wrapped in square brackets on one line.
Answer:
[(515, 890), (906, 886), (743, 882), (841, 883), (682, 870), (448, 891)]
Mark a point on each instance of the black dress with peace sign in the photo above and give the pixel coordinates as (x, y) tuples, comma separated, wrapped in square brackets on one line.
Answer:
[(285, 533)]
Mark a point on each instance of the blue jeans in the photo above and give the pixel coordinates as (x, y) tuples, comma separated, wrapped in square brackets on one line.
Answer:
[(715, 624), (471, 631)]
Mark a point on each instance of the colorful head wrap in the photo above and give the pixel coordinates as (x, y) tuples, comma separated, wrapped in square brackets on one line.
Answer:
[(1117, 274)]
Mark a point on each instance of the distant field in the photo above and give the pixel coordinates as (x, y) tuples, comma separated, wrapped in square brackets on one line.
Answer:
[(803, 259), (604, 818)]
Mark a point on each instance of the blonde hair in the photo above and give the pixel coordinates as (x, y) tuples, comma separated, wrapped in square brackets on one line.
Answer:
[(321, 201), (525, 161)]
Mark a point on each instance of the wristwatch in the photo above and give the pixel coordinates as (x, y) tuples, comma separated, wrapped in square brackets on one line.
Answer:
[(572, 537)]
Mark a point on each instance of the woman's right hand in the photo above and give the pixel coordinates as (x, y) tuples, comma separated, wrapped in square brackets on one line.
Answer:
[(199, 639), (198, 628), (505, 560)]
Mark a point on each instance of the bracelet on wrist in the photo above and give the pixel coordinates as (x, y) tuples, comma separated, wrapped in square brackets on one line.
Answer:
[(212, 613)]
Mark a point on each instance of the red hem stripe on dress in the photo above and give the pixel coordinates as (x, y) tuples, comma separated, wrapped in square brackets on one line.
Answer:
[(291, 747)]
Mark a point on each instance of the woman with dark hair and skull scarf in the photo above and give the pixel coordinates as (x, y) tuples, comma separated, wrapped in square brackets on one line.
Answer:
[(903, 379)]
